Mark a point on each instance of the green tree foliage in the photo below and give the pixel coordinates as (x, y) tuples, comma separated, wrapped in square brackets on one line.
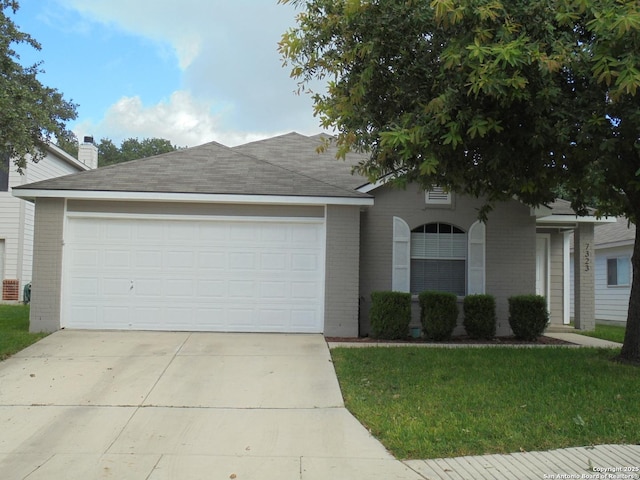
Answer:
[(131, 149), (31, 114), (491, 98)]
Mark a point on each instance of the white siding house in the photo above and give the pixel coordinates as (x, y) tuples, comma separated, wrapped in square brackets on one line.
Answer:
[(17, 216), (613, 271)]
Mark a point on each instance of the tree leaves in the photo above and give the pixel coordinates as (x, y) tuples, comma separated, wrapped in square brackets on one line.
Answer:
[(31, 114)]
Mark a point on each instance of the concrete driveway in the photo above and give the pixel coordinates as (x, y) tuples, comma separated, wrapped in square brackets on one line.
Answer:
[(159, 405)]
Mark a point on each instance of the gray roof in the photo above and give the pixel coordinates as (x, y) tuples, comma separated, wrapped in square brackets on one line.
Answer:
[(299, 153), (615, 234), (211, 168)]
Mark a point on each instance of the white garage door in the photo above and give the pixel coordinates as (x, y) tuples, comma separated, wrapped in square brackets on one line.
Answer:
[(202, 275)]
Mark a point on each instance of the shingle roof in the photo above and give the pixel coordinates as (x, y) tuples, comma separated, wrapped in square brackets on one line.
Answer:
[(620, 233), (299, 153), (211, 168)]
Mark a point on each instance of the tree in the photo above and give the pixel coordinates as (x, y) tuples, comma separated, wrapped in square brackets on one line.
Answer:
[(31, 114), (131, 149), (489, 98)]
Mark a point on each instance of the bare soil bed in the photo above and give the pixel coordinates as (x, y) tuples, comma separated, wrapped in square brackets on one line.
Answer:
[(458, 340)]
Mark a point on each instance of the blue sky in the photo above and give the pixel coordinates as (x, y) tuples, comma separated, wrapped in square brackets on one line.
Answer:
[(191, 71)]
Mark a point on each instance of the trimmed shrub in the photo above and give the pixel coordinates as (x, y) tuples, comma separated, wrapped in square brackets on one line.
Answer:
[(438, 314), (480, 316), (528, 316), (390, 315)]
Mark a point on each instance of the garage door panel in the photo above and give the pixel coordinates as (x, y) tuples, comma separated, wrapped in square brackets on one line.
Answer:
[(179, 259), (114, 316), (148, 260), (304, 290), (273, 290), (117, 231), (240, 318), (115, 287), (305, 236), (209, 318), (117, 258), (212, 290), (148, 287), (193, 275), (87, 258), (274, 262), (242, 261), (212, 260), (304, 320), (87, 315), (304, 262), (241, 289), (85, 286)]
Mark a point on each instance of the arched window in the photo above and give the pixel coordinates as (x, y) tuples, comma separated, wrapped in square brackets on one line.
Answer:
[(438, 259)]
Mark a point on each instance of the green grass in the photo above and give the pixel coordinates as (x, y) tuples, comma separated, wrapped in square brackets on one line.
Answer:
[(431, 402), (606, 332), (14, 330)]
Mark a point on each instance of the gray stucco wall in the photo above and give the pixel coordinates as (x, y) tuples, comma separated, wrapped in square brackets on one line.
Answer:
[(341, 267), (47, 265), (510, 245)]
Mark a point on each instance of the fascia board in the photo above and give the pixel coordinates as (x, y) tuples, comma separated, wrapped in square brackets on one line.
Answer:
[(29, 194), (572, 220)]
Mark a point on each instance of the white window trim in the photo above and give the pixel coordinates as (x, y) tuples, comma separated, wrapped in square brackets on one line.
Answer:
[(619, 285)]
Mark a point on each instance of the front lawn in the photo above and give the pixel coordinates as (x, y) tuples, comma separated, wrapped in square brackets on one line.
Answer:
[(431, 402), (14, 330)]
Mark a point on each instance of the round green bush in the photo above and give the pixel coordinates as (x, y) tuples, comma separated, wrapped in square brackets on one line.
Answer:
[(438, 314), (528, 316), (480, 316), (390, 315)]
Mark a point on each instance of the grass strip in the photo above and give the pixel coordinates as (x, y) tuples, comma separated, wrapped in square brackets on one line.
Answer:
[(14, 330), (431, 403)]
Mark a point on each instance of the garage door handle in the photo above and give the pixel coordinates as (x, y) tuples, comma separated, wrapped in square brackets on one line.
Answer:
[(131, 286)]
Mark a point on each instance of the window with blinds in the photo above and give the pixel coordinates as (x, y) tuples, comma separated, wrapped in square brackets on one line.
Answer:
[(438, 258)]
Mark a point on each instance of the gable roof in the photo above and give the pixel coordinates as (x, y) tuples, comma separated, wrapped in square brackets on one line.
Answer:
[(620, 233), (209, 169), (299, 153)]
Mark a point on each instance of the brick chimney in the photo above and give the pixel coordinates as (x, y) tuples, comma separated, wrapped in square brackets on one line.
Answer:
[(88, 153)]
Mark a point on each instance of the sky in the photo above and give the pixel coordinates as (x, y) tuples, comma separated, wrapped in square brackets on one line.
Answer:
[(189, 71)]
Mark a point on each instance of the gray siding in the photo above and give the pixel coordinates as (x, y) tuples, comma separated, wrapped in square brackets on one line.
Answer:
[(341, 281), (612, 303), (47, 260), (510, 244)]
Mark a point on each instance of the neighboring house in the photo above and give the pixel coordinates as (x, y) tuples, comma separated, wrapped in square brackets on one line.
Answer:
[(16, 216), (274, 237), (613, 270)]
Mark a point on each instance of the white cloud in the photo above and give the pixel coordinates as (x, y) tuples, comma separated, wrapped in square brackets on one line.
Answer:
[(227, 53), (182, 120)]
